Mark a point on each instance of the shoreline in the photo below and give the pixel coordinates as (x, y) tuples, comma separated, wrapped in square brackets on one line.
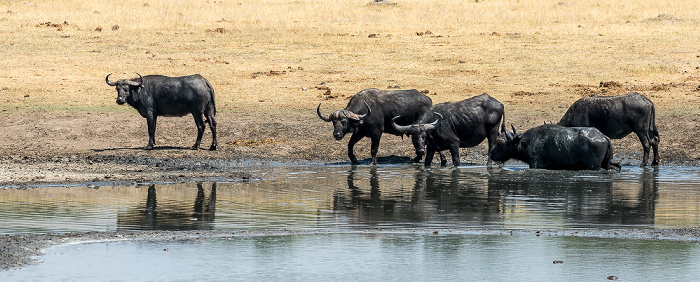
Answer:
[(18, 250)]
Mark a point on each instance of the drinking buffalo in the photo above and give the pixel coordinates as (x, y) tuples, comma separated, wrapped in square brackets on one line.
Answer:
[(552, 146), (450, 126), (617, 117), (369, 114), (157, 95)]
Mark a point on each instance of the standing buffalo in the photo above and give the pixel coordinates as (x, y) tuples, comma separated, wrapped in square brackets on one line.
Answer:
[(617, 117), (552, 146), (369, 114), (157, 95), (458, 125)]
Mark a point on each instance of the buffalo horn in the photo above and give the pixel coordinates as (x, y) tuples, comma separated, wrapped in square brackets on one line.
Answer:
[(434, 125), (136, 84), (514, 131), (109, 82), (360, 117), (318, 112), (401, 128)]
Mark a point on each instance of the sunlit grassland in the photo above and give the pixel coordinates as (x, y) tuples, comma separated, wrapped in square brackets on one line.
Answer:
[(269, 55)]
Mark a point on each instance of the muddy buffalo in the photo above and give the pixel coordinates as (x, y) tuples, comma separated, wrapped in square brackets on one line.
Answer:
[(617, 117), (454, 125), (552, 146), (156, 95), (370, 112)]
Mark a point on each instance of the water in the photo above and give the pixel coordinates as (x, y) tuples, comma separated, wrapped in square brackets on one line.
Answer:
[(382, 257), (333, 207)]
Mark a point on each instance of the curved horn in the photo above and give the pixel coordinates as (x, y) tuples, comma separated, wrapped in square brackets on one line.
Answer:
[(514, 131), (109, 82), (136, 84), (318, 112), (369, 110), (401, 128), (361, 117), (503, 126), (355, 116), (434, 125)]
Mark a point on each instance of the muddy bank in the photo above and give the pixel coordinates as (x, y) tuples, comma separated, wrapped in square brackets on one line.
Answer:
[(82, 147), (20, 250)]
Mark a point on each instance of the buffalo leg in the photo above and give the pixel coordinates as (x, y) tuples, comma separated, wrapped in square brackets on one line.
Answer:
[(492, 143), (454, 151), (375, 147), (429, 154), (655, 146), (151, 122), (200, 129), (645, 144), (212, 125), (351, 153), (443, 159)]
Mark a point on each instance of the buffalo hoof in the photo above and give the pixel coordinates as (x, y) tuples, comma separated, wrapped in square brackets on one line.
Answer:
[(149, 147), (212, 148), (194, 148)]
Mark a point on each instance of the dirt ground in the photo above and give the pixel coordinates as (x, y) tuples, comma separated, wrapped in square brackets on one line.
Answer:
[(39, 148)]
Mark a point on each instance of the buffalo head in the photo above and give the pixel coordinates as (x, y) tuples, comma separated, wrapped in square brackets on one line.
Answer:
[(124, 87), (507, 144), (344, 121), (419, 132)]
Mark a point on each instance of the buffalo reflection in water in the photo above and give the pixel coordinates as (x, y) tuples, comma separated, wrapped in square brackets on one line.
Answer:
[(171, 216), (487, 198)]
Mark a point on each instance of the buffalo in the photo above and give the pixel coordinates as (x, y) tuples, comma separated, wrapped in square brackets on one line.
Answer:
[(156, 95), (454, 125), (553, 146), (369, 113), (617, 117)]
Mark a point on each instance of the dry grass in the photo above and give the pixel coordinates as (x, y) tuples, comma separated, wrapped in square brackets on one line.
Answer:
[(261, 55)]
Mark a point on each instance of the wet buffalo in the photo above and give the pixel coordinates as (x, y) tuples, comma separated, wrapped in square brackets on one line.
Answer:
[(552, 146), (369, 114), (454, 125), (617, 117), (156, 95)]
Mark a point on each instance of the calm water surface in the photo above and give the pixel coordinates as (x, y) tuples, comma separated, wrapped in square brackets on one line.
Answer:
[(339, 202)]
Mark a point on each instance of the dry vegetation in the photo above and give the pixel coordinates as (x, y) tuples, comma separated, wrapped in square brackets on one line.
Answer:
[(264, 56)]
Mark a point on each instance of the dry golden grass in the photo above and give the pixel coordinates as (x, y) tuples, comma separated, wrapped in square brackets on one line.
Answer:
[(261, 55)]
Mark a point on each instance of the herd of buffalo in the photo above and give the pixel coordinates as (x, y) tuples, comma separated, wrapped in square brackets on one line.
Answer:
[(579, 141)]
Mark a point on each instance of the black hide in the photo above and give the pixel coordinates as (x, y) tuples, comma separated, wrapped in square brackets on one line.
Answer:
[(378, 108), (552, 146), (617, 117), (156, 95)]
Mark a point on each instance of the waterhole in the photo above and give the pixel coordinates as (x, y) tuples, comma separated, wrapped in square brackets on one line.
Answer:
[(399, 222)]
